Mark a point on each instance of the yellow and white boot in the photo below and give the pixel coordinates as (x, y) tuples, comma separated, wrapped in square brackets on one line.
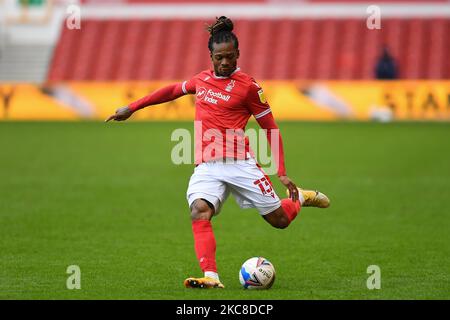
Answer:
[(203, 283), (311, 198)]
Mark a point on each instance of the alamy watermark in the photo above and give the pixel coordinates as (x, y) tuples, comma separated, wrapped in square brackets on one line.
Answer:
[(232, 144), (374, 280), (73, 20), (74, 280), (374, 19)]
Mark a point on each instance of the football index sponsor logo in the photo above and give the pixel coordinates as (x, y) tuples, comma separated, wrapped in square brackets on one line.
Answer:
[(201, 93), (211, 96)]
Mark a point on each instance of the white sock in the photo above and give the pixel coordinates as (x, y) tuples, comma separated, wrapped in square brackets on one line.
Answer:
[(211, 274), (301, 198)]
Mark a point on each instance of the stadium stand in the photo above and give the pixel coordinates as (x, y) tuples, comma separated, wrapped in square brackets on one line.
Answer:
[(337, 48), (124, 49), (164, 40)]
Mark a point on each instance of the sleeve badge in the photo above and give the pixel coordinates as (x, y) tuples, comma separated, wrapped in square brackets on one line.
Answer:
[(262, 96)]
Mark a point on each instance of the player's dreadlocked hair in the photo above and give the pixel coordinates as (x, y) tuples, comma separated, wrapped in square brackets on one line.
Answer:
[(221, 31)]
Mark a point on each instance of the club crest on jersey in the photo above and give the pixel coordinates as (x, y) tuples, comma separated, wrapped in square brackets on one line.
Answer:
[(230, 86)]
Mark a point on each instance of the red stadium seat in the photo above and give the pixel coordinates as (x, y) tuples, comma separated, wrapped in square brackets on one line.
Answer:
[(270, 49)]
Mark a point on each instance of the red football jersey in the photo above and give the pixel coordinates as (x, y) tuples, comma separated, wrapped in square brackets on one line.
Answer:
[(223, 106)]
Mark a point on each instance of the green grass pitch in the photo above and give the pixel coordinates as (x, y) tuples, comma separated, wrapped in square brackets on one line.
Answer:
[(107, 198)]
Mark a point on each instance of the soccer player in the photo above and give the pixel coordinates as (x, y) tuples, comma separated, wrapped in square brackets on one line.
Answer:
[(226, 98)]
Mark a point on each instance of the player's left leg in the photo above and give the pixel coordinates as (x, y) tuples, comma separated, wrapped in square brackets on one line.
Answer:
[(252, 188), (287, 212), (284, 215)]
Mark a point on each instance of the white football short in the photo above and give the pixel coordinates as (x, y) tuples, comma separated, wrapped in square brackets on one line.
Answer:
[(247, 182)]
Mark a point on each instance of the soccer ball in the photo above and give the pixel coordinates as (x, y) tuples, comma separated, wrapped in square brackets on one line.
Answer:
[(257, 273)]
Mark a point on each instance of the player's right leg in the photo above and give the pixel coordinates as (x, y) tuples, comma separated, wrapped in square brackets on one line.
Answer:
[(206, 194), (205, 245)]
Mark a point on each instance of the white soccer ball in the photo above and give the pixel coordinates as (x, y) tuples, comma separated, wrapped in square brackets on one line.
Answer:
[(257, 273)]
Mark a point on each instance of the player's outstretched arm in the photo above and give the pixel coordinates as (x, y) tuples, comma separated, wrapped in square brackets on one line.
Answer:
[(162, 95), (121, 114)]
